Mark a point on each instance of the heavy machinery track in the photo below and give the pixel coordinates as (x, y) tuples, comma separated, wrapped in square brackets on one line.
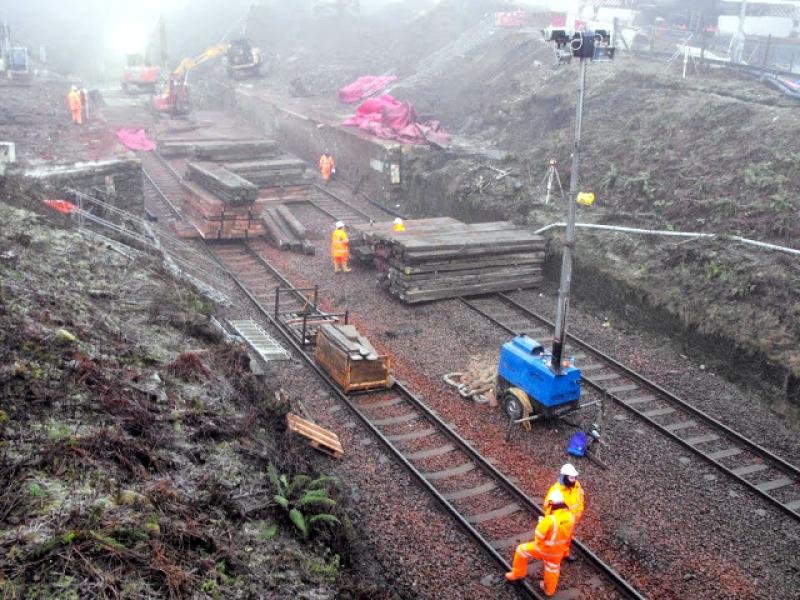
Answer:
[(759, 470), (464, 482)]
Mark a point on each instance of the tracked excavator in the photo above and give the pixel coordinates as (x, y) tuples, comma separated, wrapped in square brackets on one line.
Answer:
[(243, 60)]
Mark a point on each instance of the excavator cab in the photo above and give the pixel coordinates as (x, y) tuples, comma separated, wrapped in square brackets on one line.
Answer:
[(244, 60)]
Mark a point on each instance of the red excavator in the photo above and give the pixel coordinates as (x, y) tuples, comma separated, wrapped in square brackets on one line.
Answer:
[(138, 75)]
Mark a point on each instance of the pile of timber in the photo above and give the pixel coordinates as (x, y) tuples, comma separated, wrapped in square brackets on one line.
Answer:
[(271, 173), (234, 190), (445, 258), (219, 150), (349, 341), (285, 231), (213, 218)]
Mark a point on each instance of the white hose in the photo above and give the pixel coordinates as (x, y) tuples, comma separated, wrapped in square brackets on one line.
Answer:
[(687, 234)]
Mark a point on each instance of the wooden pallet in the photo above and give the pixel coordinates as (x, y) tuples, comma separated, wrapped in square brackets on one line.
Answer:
[(318, 437)]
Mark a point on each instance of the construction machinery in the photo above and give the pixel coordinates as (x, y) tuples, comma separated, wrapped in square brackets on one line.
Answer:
[(529, 387), (244, 60), (14, 63), (139, 75)]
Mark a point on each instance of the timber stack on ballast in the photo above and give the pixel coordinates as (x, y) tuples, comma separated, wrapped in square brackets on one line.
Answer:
[(445, 258), (285, 231), (234, 190)]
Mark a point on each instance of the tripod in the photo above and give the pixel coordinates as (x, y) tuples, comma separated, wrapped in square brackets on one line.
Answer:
[(547, 181)]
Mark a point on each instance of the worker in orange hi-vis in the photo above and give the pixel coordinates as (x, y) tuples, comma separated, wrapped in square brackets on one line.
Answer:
[(398, 225), (327, 166), (549, 544), (75, 105), (340, 249), (571, 490)]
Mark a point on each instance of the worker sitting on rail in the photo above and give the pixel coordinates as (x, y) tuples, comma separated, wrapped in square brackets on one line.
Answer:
[(398, 225), (569, 488), (327, 166), (340, 249), (75, 105), (551, 538)]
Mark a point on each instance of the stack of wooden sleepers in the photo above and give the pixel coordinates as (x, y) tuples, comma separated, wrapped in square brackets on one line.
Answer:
[(214, 218), (232, 189), (445, 258), (229, 182), (219, 150), (285, 231)]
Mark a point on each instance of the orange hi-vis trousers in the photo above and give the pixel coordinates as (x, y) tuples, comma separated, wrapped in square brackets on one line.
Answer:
[(552, 564)]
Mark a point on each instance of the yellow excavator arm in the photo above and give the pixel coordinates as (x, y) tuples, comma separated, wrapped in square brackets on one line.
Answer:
[(187, 64)]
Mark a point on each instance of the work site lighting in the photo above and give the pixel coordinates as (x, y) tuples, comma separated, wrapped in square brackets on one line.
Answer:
[(585, 46)]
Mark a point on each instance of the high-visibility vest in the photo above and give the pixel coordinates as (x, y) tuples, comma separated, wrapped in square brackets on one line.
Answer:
[(74, 99), (574, 498), (340, 245), (399, 227), (553, 534)]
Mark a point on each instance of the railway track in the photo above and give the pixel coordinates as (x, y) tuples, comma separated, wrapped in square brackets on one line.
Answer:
[(743, 460), (485, 503)]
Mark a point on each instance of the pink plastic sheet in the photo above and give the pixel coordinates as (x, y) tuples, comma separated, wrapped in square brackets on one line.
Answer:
[(135, 139), (391, 119), (364, 87)]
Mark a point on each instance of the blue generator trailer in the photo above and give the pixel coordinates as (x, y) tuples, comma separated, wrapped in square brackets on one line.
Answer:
[(527, 385)]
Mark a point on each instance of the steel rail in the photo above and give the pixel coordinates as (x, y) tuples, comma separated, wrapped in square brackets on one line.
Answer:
[(777, 462), (619, 583), (385, 209), (290, 339), (615, 579)]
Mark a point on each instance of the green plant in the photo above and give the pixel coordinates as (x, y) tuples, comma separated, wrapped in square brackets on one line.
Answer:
[(305, 500), (35, 490)]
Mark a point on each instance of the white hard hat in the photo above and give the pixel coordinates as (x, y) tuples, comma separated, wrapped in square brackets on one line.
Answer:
[(398, 221), (339, 225), (569, 470), (74, 88), (555, 497)]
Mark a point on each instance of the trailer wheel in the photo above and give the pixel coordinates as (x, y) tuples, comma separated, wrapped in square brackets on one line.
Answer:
[(516, 403)]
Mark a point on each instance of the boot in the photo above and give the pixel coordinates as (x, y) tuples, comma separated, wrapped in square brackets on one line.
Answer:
[(570, 557), (346, 268), (336, 267), (511, 576)]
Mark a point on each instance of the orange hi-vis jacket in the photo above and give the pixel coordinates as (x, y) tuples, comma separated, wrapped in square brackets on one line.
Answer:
[(574, 498), (553, 534), (74, 100), (326, 165), (340, 245)]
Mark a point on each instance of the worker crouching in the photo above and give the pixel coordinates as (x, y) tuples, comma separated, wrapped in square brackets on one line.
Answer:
[(340, 249), (75, 105), (550, 543)]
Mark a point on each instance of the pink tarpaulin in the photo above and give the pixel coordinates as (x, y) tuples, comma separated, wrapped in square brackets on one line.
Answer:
[(135, 139), (391, 119), (364, 87)]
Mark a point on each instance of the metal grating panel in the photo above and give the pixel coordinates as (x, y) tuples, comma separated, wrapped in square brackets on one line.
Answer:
[(263, 343)]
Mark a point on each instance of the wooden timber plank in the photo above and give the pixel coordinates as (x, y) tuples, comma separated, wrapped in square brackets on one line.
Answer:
[(291, 221), (503, 286), (473, 239), (521, 258), (318, 437), (273, 231)]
